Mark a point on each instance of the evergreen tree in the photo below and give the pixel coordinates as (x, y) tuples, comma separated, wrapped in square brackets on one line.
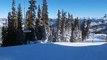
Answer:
[(58, 25), (45, 12), (31, 17), (68, 27), (87, 28), (76, 24), (83, 29), (19, 17), (77, 32), (45, 19), (9, 33), (39, 24), (68, 24), (14, 16), (12, 30), (4, 37), (20, 33), (72, 28), (39, 13), (9, 20), (63, 25), (31, 14), (51, 32)]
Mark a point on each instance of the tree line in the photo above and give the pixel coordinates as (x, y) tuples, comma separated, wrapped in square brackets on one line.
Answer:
[(37, 27)]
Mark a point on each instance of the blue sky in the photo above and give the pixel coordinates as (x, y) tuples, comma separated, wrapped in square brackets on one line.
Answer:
[(79, 8)]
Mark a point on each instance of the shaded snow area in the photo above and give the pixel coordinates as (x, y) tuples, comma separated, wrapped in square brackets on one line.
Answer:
[(96, 38), (56, 51)]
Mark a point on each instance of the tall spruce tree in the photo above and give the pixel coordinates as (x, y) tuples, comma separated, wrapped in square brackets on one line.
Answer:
[(31, 14), (83, 28), (72, 28), (20, 33), (63, 25), (58, 25), (39, 13), (51, 31), (31, 18), (9, 34), (9, 20), (68, 27), (12, 27), (68, 24), (19, 17), (45, 12), (14, 16), (39, 24), (77, 32), (87, 28), (45, 19)]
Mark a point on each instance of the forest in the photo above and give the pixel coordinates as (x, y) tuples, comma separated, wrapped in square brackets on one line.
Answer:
[(39, 27)]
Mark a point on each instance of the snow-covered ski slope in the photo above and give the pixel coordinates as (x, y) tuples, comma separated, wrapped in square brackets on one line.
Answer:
[(56, 51)]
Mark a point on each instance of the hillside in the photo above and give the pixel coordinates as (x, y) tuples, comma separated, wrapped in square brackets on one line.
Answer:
[(56, 51)]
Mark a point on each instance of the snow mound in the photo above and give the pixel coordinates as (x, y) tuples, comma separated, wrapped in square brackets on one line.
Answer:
[(80, 44)]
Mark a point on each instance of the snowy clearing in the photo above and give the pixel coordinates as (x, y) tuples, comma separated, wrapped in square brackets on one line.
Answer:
[(56, 51)]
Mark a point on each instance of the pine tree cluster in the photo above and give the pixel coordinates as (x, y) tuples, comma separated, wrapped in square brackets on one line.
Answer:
[(40, 27)]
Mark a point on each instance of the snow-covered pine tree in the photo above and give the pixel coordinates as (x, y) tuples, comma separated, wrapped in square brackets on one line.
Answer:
[(69, 23), (45, 19), (51, 32), (68, 28), (72, 28), (38, 22), (63, 26), (58, 25), (87, 28), (77, 35), (54, 35), (32, 13), (83, 29)]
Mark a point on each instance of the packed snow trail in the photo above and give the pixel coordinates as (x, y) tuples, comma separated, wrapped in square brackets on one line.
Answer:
[(54, 52)]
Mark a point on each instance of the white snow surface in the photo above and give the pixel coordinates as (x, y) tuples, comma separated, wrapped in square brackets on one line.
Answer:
[(56, 51), (80, 44)]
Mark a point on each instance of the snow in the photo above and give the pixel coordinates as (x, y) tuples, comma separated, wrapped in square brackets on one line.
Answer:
[(56, 51), (93, 48), (96, 38), (79, 44)]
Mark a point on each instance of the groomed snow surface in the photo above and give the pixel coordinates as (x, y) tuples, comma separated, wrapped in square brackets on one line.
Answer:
[(56, 51)]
